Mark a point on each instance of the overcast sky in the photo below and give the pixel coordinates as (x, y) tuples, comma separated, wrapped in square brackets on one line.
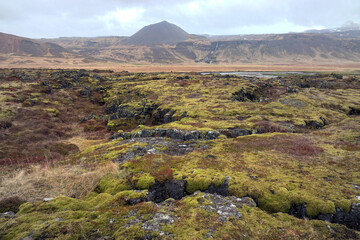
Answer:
[(89, 18)]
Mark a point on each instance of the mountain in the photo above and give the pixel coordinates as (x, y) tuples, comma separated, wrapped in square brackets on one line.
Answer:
[(346, 27), (350, 26), (289, 47), (158, 33), (167, 43), (86, 42), (11, 44), (267, 48)]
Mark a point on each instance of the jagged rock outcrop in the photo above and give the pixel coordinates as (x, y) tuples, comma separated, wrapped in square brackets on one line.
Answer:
[(317, 124), (184, 135), (236, 132), (145, 113), (225, 207), (354, 110), (245, 94), (350, 219), (176, 189), (169, 189)]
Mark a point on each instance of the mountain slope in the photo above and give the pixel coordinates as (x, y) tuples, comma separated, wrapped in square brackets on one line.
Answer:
[(166, 43), (288, 46), (274, 48), (11, 44), (159, 33)]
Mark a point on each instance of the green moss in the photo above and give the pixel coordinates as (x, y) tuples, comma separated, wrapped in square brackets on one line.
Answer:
[(195, 201), (201, 180), (316, 167), (23, 225), (145, 181), (99, 201), (113, 154), (112, 185), (198, 183), (63, 203), (345, 204), (281, 226), (278, 201), (161, 148), (105, 145), (241, 186), (7, 113), (316, 207), (133, 232), (131, 194), (193, 220), (26, 208), (52, 112), (118, 123), (35, 95), (104, 152)]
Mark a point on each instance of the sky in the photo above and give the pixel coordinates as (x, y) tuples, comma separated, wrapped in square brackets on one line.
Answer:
[(90, 18)]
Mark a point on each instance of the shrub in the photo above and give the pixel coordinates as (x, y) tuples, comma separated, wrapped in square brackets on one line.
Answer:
[(295, 145), (5, 124), (164, 174)]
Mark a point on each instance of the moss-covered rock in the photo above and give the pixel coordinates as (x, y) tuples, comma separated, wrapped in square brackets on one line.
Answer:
[(144, 181), (112, 185)]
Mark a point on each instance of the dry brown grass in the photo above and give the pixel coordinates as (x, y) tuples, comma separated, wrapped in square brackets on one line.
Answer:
[(41, 182), (82, 143), (274, 65)]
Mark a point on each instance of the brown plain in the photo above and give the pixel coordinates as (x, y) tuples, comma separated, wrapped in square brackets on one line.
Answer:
[(77, 63)]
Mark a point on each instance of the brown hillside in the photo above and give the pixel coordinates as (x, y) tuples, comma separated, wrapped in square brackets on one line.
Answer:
[(165, 43), (299, 48), (11, 44)]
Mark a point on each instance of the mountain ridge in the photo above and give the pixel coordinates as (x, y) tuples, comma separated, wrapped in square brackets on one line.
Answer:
[(148, 46)]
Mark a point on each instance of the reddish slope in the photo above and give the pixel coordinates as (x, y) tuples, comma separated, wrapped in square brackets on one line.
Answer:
[(11, 44)]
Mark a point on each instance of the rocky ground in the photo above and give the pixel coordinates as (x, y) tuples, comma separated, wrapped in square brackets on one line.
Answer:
[(178, 156)]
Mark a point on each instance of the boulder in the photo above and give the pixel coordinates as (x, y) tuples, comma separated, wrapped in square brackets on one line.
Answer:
[(159, 192)]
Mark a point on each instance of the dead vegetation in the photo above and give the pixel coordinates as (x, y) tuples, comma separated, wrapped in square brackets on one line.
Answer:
[(37, 182)]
